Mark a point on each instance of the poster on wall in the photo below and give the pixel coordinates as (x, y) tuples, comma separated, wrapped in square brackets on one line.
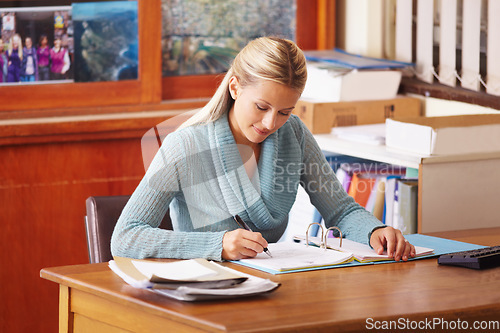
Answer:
[(85, 42), (106, 41), (32, 48), (204, 36)]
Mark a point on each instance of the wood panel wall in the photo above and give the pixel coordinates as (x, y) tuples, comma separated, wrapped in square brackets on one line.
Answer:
[(44, 183), (84, 139)]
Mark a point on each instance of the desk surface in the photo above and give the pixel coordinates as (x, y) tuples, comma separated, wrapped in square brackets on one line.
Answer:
[(333, 299)]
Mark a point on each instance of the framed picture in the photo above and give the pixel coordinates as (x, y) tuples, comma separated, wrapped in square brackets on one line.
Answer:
[(106, 41), (30, 38), (128, 75), (203, 37)]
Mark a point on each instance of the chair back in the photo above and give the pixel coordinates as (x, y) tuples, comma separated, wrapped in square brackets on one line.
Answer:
[(102, 214)]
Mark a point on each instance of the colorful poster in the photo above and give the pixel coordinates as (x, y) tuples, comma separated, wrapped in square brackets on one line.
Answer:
[(8, 22), (106, 41), (204, 36), (58, 21), (32, 33)]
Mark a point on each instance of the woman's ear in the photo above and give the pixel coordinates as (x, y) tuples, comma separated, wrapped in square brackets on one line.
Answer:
[(234, 87)]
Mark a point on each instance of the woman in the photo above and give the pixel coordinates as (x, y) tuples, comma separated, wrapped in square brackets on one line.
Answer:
[(3, 62), (43, 55), (29, 68), (242, 154), (14, 57), (60, 60)]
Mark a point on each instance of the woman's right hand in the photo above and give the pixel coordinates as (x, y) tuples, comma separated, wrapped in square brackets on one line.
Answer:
[(241, 244)]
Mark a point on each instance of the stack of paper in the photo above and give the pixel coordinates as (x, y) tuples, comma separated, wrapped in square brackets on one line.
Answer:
[(373, 134), (335, 75), (189, 280)]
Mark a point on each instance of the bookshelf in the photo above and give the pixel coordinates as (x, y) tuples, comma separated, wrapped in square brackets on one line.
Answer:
[(456, 192)]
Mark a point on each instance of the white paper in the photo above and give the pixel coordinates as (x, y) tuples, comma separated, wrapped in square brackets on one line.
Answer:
[(289, 256), (371, 134), (363, 252), (252, 286), (133, 282), (185, 270)]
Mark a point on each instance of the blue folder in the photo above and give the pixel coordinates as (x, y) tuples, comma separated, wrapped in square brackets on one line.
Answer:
[(343, 59)]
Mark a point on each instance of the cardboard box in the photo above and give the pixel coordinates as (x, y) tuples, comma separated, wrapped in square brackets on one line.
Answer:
[(445, 135), (320, 117)]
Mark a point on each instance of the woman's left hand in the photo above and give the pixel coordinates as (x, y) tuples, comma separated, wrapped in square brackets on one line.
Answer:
[(392, 240)]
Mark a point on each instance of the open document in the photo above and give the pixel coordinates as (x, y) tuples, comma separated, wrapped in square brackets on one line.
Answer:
[(362, 252), (296, 256), (293, 257)]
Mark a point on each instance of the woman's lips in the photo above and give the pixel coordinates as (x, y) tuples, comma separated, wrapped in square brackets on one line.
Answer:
[(260, 132)]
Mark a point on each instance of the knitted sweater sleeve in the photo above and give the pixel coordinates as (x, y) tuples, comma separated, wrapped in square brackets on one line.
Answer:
[(327, 194), (137, 235)]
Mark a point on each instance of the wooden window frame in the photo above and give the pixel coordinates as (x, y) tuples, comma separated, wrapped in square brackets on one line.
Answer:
[(410, 85), (315, 30), (144, 90), (151, 91)]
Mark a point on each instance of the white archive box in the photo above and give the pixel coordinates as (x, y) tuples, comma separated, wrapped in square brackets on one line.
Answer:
[(449, 135)]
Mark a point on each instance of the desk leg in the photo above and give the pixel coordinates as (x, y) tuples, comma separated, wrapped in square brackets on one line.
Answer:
[(65, 314)]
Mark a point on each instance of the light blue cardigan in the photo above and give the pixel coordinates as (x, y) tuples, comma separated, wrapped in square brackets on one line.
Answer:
[(199, 173)]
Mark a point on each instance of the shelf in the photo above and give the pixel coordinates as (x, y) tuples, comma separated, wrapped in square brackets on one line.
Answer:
[(381, 153), (331, 143)]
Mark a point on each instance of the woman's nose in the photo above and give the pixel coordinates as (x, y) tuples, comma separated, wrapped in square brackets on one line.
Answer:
[(269, 120)]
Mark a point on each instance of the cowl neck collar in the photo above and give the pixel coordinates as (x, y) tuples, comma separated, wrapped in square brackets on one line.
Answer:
[(250, 198)]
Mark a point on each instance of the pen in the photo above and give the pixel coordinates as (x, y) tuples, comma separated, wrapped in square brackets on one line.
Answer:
[(245, 226)]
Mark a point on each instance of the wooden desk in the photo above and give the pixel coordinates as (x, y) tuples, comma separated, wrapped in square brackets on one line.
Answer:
[(94, 299)]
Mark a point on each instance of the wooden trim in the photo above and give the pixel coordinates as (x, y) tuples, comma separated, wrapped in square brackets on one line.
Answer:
[(150, 51), (438, 90), (190, 86), (81, 128), (307, 23), (184, 104), (65, 314), (326, 24)]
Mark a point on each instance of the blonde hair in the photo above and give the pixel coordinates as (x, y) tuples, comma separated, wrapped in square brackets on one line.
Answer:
[(19, 46), (266, 58)]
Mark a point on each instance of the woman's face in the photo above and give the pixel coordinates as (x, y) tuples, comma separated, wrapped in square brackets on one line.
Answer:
[(44, 41), (15, 43), (28, 42), (259, 110), (1, 45), (57, 43)]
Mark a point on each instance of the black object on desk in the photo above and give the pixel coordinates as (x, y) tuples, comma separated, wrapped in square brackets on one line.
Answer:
[(487, 257)]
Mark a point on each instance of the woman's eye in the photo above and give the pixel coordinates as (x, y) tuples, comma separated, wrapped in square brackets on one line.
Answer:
[(262, 108), (286, 114)]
